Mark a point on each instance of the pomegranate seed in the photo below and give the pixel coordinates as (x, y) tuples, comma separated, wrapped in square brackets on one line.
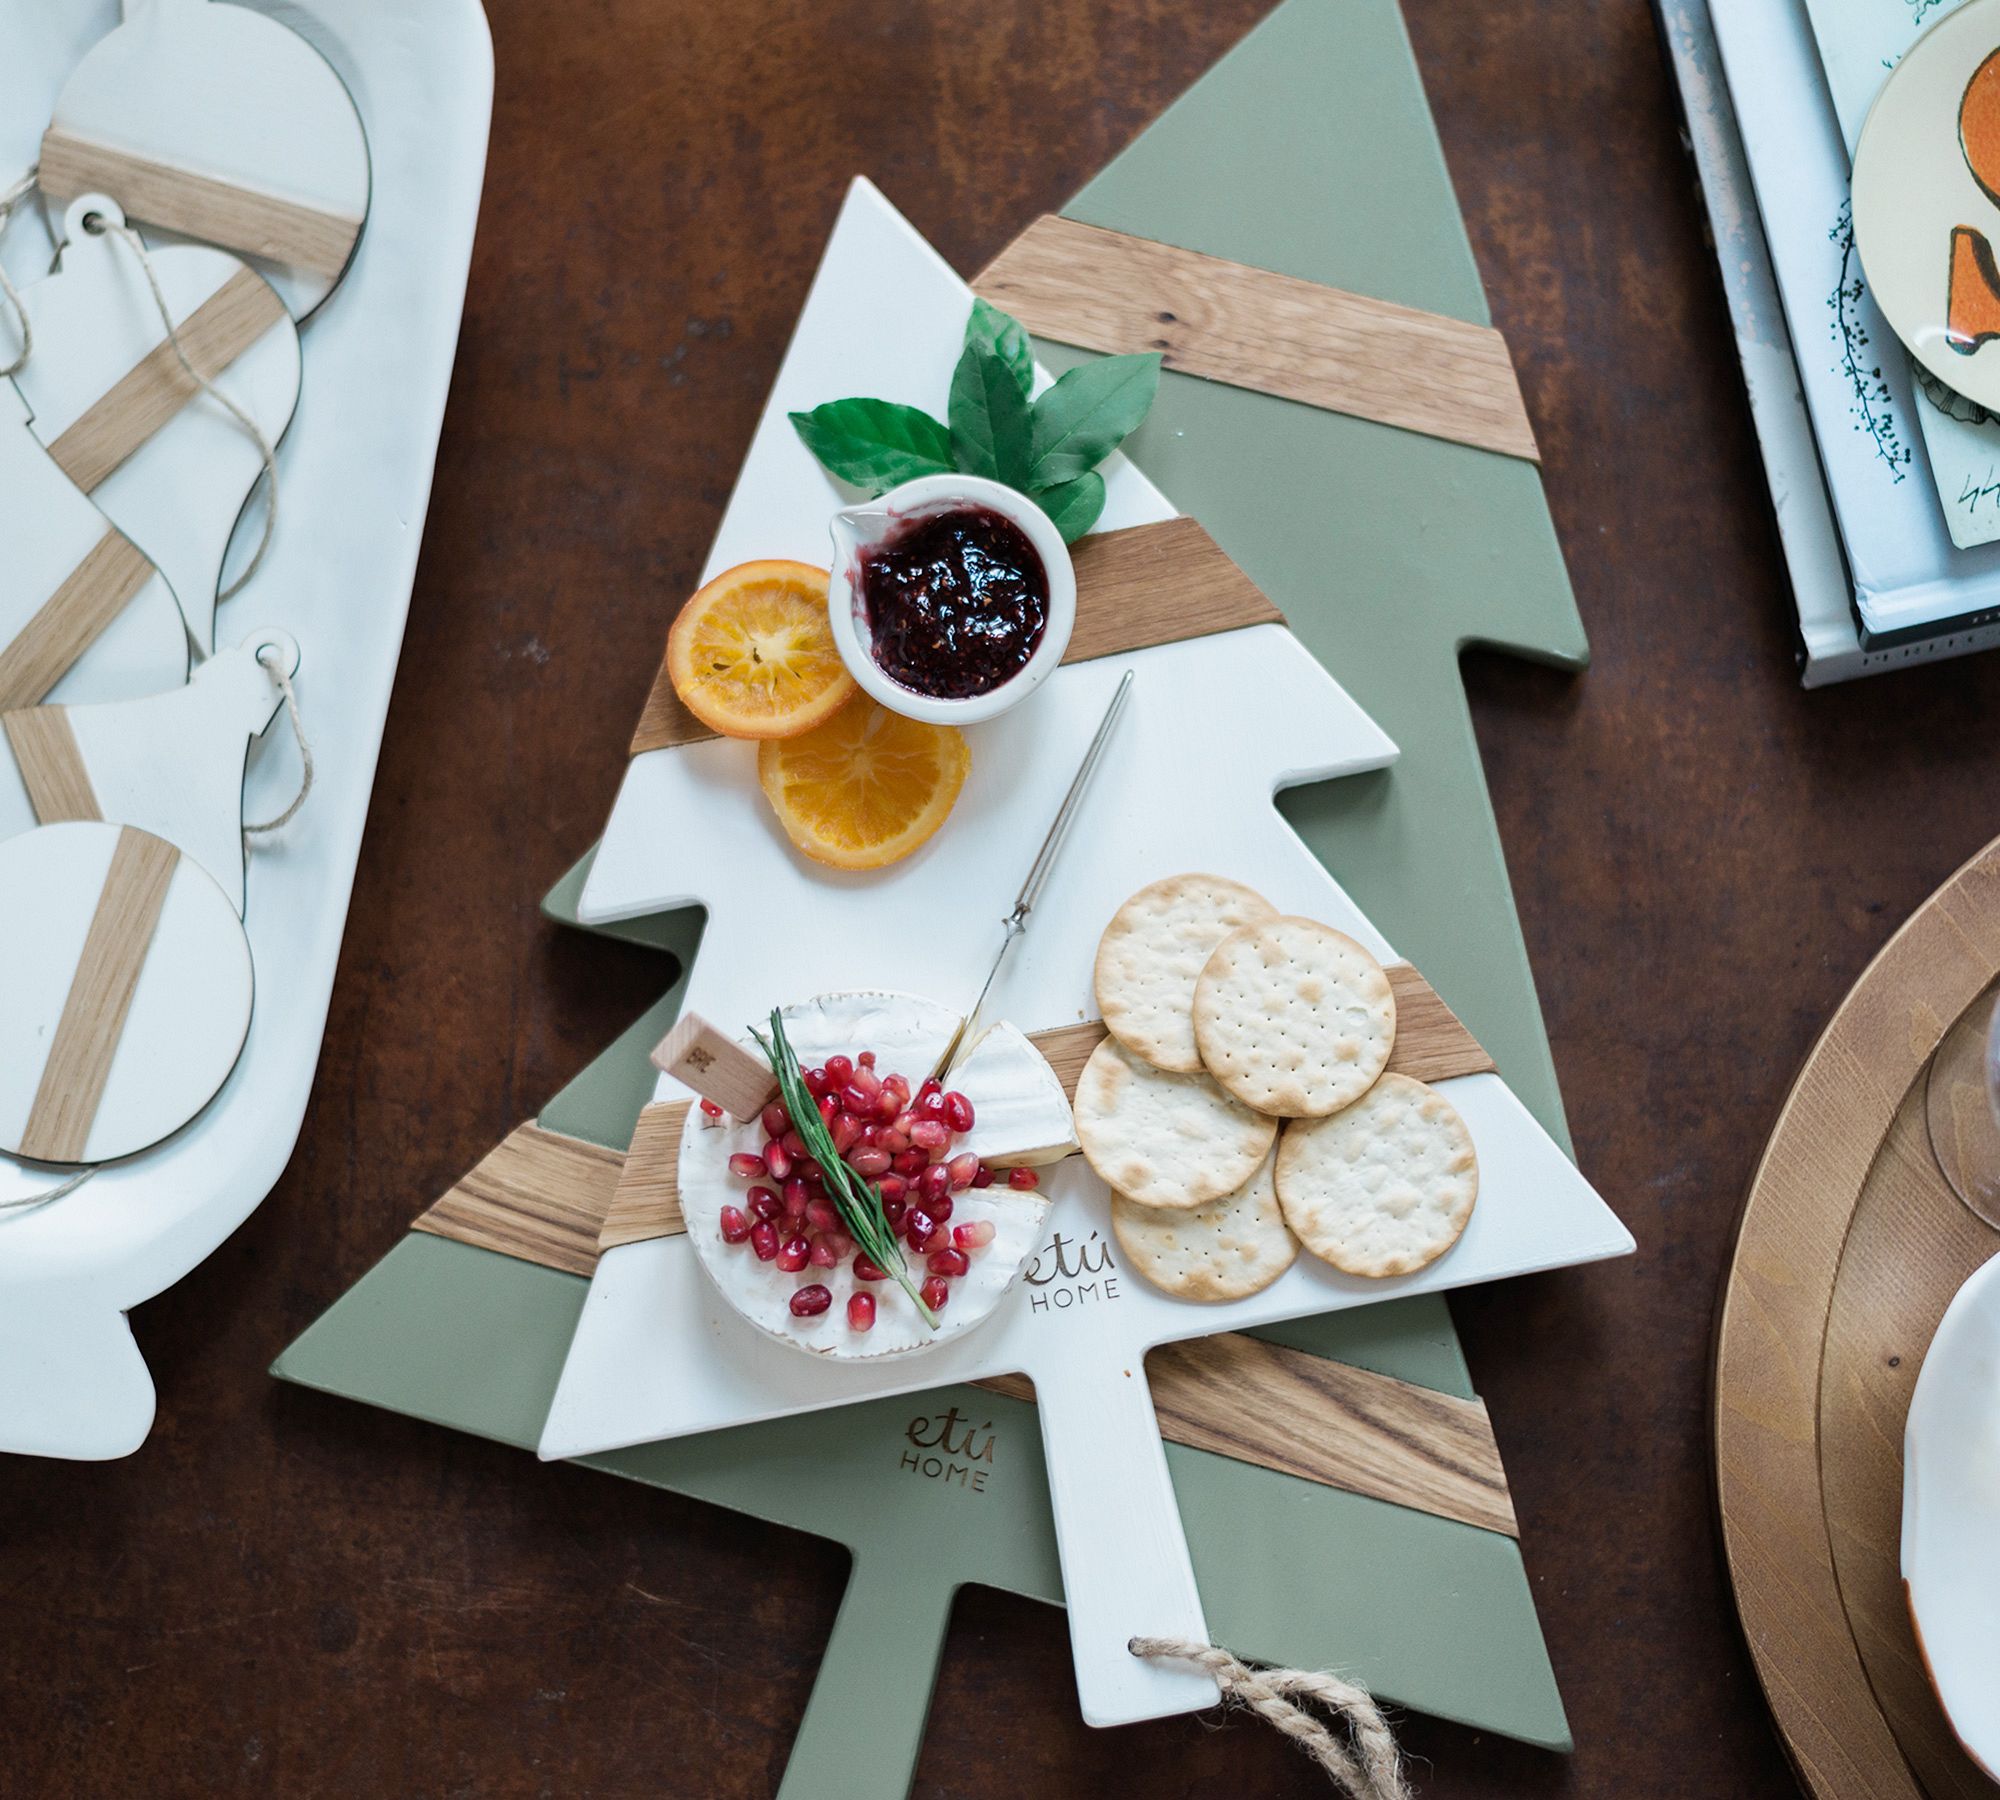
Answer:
[(747, 1167), (911, 1161), (931, 1086), (839, 1243), (865, 1270), (1023, 1178), (839, 1072), (892, 1140), (892, 1187), (920, 1229), (853, 1100), (763, 1203), (809, 1171), (793, 1254), (776, 1121), (984, 1178), (867, 1082), (846, 1130), (887, 1106), (930, 1106), (796, 1198), (866, 1059), (899, 1085), (934, 1183), (821, 1216), (812, 1300), (947, 1262), (795, 1146), (904, 1120), (869, 1134), (936, 1291), (821, 1255), (816, 1082), (713, 1111), (974, 1236), (963, 1168), (829, 1110), (893, 1211), (871, 1162), (735, 1225), (764, 1240), (940, 1208), (958, 1112), (929, 1134), (861, 1312), (777, 1159)]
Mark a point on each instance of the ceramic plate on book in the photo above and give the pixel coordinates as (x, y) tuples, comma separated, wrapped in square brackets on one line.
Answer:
[(1951, 1515), (356, 478)]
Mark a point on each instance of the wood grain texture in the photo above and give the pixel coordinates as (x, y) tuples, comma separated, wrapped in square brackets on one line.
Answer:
[(100, 995), (198, 206), (1788, 1397), (71, 619), (158, 385), (1327, 1422), (50, 764), (647, 1203), (1145, 585), (536, 1195), (1103, 290)]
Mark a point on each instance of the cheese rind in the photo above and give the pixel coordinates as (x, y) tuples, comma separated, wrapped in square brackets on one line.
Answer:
[(1020, 1114)]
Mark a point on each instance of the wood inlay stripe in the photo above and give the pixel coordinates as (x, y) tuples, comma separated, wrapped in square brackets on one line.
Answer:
[(1252, 328), (1431, 1045), (217, 212), (51, 765), (1146, 585), (537, 1196), (156, 387), (71, 619), (99, 998)]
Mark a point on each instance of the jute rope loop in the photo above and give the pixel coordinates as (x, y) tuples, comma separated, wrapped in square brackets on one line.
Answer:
[(284, 684), (8, 201), (133, 242), (48, 1197), (1371, 1770)]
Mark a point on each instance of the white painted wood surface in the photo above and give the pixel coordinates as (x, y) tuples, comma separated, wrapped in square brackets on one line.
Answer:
[(173, 763), (357, 483), (235, 96), (189, 1012), (179, 496), (1214, 729)]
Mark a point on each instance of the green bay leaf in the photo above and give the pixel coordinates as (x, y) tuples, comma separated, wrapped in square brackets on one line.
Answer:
[(875, 444), (991, 429), (1073, 505), (1088, 414), (1004, 335)]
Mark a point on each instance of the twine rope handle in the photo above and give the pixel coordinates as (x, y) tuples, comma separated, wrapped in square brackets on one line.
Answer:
[(8, 201), (276, 671), (1371, 1770), (137, 246)]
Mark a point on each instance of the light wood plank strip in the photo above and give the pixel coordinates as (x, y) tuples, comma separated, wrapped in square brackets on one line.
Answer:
[(648, 1202), (1146, 585), (156, 387), (71, 619), (218, 212), (1102, 290), (51, 765), (100, 997), (537, 1195), (1431, 1042)]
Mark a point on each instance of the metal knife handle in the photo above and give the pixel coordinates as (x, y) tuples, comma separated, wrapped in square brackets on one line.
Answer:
[(1045, 858)]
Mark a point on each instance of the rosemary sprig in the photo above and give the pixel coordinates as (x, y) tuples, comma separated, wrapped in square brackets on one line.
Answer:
[(859, 1205)]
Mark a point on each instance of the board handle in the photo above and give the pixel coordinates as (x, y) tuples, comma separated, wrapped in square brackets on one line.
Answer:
[(1125, 1565), (864, 1725)]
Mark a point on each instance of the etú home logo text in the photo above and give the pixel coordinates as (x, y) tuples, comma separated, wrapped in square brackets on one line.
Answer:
[(950, 1449), (1070, 1272)]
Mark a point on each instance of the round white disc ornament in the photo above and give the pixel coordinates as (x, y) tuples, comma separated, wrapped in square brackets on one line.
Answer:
[(1927, 201), (128, 985)]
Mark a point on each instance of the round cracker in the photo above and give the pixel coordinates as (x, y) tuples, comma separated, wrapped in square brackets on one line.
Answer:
[(1163, 1139), (1294, 1018), (1152, 953), (1227, 1250), (1385, 1186)]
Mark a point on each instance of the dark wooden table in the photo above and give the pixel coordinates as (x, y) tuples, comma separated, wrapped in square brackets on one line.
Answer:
[(283, 1592)]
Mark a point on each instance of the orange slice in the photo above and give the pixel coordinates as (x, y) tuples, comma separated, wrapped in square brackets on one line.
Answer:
[(867, 787), (752, 655)]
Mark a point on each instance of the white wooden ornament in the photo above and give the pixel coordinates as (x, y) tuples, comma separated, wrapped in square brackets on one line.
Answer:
[(1214, 728), (83, 614), (115, 407), (128, 985), (220, 125), (171, 764)]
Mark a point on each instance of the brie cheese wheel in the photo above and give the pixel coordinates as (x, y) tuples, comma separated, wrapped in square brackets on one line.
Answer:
[(1020, 1114), (908, 1035)]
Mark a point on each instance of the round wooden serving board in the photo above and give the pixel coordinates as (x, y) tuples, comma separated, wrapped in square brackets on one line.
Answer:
[(1850, 1248)]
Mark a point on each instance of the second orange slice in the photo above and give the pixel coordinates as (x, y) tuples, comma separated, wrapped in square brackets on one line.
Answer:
[(752, 655)]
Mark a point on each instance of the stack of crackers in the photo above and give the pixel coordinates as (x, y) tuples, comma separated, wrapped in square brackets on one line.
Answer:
[(1242, 1103)]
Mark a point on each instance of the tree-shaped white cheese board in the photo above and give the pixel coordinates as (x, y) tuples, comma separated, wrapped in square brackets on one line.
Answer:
[(1216, 726)]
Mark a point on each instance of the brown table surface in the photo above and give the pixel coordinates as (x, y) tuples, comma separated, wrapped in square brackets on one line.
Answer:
[(287, 1592)]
